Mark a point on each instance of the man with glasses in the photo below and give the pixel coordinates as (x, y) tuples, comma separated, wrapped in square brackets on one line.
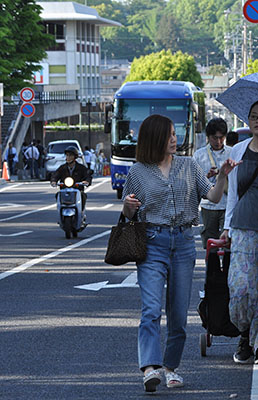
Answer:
[(210, 158)]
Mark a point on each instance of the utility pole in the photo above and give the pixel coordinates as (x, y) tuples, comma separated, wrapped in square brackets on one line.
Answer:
[(244, 48), (250, 46)]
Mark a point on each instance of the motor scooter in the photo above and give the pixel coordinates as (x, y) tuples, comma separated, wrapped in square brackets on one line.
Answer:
[(71, 217)]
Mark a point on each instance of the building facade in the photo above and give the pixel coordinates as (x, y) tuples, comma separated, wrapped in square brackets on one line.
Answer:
[(113, 74), (75, 56)]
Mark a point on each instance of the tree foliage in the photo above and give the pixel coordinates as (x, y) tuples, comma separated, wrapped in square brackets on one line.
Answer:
[(22, 43), (165, 66), (252, 67), (196, 27), (217, 69)]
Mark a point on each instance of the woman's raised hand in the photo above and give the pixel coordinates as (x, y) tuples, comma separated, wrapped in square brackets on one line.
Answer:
[(228, 166)]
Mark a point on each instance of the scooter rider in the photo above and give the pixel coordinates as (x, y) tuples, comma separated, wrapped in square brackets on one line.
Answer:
[(72, 168)]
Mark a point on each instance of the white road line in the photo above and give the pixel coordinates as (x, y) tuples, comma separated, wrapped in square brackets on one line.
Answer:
[(27, 213), (10, 187), (254, 391), (48, 207), (56, 253), (100, 208), (17, 234)]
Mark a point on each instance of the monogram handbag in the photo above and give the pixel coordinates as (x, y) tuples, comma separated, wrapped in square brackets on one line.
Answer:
[(127, 242)]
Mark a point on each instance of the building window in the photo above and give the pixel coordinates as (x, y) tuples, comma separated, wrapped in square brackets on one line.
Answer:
[(57, 80), (57, 69), (57, 30), (57, 47)]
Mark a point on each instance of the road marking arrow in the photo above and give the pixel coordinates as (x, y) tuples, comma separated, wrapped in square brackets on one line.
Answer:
[(130, 281), (8, 205)]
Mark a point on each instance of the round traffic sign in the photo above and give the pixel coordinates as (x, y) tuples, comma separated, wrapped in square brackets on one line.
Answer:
[(27, 94), (28, 110), (250, 11)]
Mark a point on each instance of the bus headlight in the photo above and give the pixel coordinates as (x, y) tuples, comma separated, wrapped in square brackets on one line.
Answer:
[(120, 176)]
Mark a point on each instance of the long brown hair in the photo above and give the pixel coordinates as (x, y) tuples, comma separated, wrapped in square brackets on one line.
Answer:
[(153, 137)]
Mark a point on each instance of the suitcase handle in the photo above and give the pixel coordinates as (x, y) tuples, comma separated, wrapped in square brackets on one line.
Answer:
[(213, 243)]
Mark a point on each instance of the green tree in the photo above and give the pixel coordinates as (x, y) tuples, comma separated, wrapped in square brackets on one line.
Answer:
[(195, 19), (217, 69), (169, 33), (252, 67), (165, 66), (22, 43)]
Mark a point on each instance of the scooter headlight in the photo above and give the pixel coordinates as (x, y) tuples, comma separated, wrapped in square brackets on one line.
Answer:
[(69, 182)]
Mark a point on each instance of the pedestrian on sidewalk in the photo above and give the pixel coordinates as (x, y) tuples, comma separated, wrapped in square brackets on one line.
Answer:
[(32, 156), (23, 149), (210, 158), (165, 190), (87, 156), (232, 138), (12, 158), (42, 153), (241, 227)]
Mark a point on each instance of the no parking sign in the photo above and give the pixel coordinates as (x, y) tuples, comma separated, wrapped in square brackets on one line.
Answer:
[(27, 110), (250, 11)]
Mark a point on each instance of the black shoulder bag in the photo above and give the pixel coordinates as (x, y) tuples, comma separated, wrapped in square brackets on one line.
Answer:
[(127, 242)]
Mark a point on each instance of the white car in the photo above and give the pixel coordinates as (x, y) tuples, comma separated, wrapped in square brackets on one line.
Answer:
[(55, 155)]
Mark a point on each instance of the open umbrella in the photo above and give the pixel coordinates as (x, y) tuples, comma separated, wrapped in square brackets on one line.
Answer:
[(239, 97)]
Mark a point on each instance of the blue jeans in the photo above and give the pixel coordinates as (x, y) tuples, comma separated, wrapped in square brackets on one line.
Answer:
[(170, 259)]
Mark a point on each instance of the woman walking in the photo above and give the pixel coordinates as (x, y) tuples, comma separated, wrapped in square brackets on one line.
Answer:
[(165, 191)]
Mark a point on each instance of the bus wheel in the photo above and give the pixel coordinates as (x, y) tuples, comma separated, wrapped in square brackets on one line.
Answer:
[(119, 193)]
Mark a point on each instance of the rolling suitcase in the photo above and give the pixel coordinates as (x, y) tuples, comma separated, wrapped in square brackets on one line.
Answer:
[(213, 306)]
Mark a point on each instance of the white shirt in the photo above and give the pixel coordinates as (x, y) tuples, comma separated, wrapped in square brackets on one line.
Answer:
[(32, 152), (203, 159), (87, 156)]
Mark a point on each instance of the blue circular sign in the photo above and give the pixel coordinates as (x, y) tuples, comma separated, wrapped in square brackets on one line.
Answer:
[(27, 110), (250, 11)]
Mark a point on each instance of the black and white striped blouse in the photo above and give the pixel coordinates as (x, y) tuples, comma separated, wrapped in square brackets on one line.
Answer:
[(172, 201)]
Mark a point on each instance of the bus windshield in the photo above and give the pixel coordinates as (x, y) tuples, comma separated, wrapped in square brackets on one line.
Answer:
[(129, 114)]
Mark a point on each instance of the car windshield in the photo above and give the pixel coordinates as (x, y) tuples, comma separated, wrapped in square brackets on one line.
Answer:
[(59, 148)]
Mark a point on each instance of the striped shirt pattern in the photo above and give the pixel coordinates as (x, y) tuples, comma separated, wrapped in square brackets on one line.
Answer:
[(172, 201)]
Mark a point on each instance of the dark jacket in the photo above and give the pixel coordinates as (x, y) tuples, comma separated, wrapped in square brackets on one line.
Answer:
[(80, 173)]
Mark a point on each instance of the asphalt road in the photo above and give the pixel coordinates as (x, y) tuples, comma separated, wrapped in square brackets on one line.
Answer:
[(69, 322)]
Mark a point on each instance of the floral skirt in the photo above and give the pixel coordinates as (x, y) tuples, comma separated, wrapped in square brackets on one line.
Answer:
[(243, 282)]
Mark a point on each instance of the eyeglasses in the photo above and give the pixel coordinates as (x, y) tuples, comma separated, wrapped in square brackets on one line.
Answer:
[(253, 117), (217, 137)]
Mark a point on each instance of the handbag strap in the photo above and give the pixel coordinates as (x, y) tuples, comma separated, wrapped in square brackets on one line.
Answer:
[(213, 164), (122, 217)]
